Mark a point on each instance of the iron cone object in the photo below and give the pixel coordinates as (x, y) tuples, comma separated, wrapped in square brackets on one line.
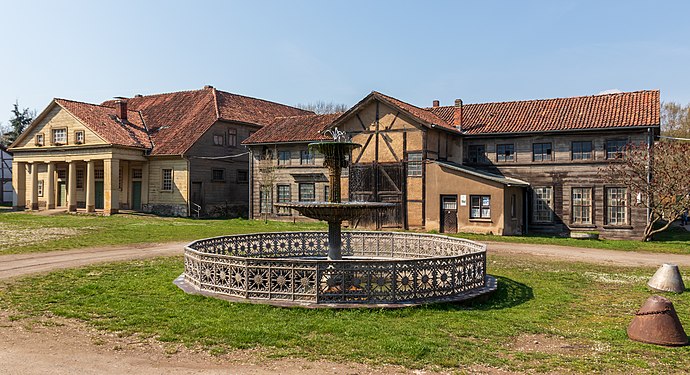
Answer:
[(667, 279), (657, 323)]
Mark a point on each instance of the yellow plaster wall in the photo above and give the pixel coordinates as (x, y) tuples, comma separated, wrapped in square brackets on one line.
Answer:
[(58, 118)]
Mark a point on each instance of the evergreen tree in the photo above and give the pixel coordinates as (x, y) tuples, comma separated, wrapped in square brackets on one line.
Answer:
[(18, 123)]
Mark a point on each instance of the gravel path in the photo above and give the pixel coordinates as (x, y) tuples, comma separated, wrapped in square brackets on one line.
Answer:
[(71, 347)]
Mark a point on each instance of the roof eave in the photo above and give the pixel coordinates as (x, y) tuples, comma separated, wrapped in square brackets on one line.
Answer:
[(562, 131)]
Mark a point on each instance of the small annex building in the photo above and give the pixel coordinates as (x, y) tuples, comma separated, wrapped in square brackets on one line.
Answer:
[(5, 176), (504, 168), (176, 154)]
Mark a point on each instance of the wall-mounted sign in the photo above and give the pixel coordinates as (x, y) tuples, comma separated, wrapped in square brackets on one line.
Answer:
[(463, 200)]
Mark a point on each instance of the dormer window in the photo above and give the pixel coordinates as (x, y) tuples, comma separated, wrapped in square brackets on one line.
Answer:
[(40, 140), (59, 136), (79, 137)]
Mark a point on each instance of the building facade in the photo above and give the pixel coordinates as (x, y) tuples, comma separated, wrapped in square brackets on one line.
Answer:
[(502, 168), (172, 154), (5, 176)]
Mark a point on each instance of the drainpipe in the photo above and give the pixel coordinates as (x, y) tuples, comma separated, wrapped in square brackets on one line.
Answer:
[(250, 214), (650, 143)]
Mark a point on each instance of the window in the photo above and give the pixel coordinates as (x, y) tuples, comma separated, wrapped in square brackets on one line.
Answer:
[(306, 157), (513, 209), (582, 150), (59, 136), (119, 179), (616, 206), (98, 174), (326, 193), (218, 140), (476, 154), (543, 205), (80, 178), (242, 176), (283, 197), (582, 205), (79, 137), (307, 192), (283, 157), (167, 180), (615, 147), (232, 137), (62, 174), (137, 173), (541, 152), (218, 174), (414, 164), (505, 152), (480, 207), (39, 140), (265, 203), (40, 188)]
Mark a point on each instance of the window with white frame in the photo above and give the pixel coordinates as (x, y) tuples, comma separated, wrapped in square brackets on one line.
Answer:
[(232, 137), (167, 181), (542, 207), (218, 140), (79, 137), (616, 206), (40, 188), (39, 140), (542, 152), (307, 192), (480, 207), (582, 205), (283, 157), (581, 150), (414, 164), (98, 174), (59, 136), (615, 148), (505, 152), (283, 197), (306, 157)]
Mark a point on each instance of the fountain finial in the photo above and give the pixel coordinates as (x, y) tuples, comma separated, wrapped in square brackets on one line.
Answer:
[(338, 135)]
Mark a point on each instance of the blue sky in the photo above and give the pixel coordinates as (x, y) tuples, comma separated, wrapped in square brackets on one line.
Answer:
[(302, 51)]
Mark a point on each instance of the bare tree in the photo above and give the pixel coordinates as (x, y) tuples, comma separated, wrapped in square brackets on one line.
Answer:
[(267, 179), (657, 177), (320, 107), (675, 120)]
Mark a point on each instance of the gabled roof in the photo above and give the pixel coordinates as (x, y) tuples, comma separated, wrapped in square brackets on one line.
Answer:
[(103, 121), (508, 181), (294, 129), (628, 109), (425, 117), (176, 120)]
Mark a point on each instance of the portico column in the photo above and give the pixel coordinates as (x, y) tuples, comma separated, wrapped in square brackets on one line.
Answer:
[(90, 186), (18, 185), (34, 186), (72, 186), (111, 192), (49, 188)]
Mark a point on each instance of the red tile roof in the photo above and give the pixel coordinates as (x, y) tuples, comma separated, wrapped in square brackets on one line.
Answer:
[(103, 121), (628, 109), (294, 129), (176, 120), (427, 117)]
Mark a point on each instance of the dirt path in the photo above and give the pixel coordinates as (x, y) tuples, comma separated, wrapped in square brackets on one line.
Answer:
[(58, 346)]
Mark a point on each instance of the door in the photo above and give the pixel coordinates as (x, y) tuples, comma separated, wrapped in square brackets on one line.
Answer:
[(62, 194), (377, 182), (136, 195), (99, 195), (197, 197), (449, 214)]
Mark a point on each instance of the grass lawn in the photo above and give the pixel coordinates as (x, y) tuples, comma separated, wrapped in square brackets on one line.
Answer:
[(28, 232), (577, 312), (22, 232)]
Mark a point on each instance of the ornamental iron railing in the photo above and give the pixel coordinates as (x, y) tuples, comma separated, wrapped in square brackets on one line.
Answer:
[(381, 268)]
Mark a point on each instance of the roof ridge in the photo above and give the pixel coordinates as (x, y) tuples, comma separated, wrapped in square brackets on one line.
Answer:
[(310, 115), (263, 100), (93, 104), (547, 99)]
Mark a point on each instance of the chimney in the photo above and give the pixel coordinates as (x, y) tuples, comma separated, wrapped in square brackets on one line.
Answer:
[(458, 114), (138, 96), (208, 87), (121, 108), (436, 103)]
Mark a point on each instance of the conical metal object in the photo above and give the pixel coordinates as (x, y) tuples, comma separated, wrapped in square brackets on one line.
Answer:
[(667, 279), (657, 323)]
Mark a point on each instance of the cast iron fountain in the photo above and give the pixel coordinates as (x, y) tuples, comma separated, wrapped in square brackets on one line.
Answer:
[(336, 269)]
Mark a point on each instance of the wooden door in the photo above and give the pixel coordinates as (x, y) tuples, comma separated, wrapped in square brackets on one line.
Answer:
[(379, 182), (449, 214), (99, 195), (136, 195), (197, 194)]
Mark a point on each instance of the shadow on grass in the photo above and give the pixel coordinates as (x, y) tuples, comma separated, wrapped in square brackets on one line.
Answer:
[(509, 293)]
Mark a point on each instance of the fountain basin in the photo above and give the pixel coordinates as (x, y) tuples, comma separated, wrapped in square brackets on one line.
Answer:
[(378, 269)]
